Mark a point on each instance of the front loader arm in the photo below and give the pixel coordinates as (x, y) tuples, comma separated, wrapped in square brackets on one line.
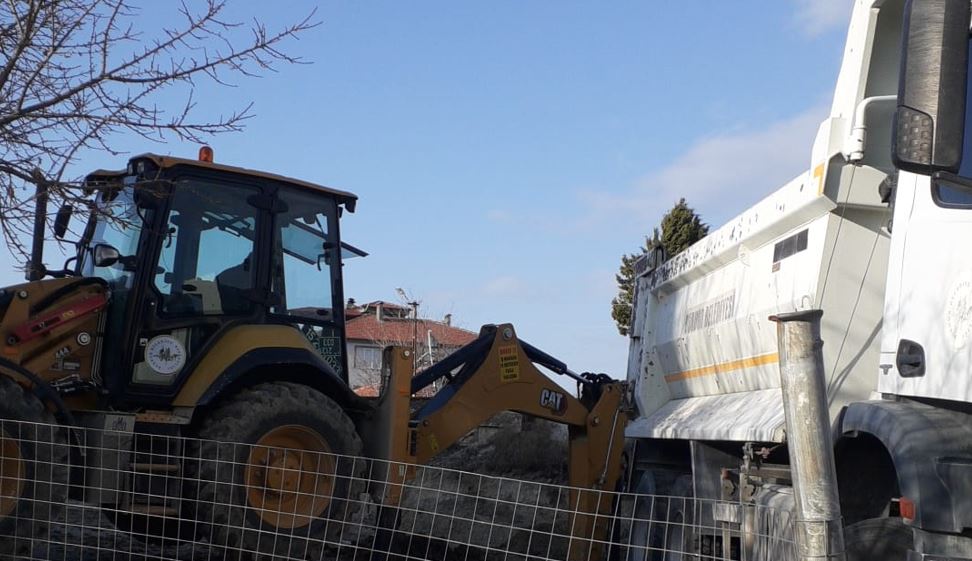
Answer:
[(497, 372)]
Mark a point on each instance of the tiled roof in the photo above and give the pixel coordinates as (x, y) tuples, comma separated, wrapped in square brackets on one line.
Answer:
[(368, 391), (374, 390), (392, 331)]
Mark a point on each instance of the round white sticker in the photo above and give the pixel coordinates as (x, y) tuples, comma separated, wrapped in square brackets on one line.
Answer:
[(165, 354), (958, 311)]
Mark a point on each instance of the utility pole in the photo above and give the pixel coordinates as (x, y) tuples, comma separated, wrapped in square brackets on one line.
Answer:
[(414, 305)]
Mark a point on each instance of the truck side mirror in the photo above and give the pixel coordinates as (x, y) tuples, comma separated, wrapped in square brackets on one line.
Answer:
[(105, 255), (930, 119), (61, 221)]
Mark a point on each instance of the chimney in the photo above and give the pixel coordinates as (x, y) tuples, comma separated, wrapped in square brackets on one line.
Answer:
[(378, 312), (448, 319)]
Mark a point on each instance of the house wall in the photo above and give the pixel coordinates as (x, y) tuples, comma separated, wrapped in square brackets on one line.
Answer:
[(361, 373)]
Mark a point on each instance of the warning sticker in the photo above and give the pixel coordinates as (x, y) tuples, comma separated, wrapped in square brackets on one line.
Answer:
[(509, 363)]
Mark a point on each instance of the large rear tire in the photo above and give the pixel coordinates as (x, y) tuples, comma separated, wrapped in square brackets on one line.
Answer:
[(645, 540), (34, 470), (679, 520), (884, 539), (275, 469)]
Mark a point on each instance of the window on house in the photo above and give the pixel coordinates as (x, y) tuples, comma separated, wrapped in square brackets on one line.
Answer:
[(367, 357)]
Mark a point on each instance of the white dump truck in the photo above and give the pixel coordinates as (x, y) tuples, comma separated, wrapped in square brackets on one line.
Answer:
[(875, 234)]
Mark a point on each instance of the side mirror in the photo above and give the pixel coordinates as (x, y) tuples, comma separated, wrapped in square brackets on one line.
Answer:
[(105, 255), (930, 120), (61, 221)]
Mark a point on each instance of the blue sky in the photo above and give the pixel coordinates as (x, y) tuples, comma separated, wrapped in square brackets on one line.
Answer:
[(507, 153)]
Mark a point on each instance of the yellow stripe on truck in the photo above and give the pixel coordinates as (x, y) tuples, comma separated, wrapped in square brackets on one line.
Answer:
[(818, 174), (724, 367)]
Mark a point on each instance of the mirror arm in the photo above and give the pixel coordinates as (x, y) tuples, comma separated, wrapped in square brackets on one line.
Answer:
[(854, 150)]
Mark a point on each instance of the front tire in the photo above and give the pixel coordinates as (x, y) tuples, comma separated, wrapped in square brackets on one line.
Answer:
[(34, 470), (276, 463)]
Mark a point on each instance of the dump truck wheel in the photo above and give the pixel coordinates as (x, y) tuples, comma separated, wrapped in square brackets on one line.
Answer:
[(887, 539), (645, 536), (679, 521), (275, 469), (34, 469)]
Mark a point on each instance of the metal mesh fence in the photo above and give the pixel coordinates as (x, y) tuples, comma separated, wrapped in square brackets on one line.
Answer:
[(85, 494)]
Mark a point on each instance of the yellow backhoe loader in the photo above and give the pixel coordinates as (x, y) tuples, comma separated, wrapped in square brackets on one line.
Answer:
[(206, 301)]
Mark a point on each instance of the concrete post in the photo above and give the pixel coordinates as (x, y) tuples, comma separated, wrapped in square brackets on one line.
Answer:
[(818, 529)]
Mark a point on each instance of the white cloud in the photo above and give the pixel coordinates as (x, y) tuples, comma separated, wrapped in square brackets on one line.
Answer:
[(819, 16), (719, 175)]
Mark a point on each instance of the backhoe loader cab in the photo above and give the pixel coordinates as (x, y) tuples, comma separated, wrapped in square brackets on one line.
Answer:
[(204, 300), (189, 250)]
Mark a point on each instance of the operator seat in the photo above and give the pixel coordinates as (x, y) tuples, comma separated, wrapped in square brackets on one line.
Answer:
[(233, 283)]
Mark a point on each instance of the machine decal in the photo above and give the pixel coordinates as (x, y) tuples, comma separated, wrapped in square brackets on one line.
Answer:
[(40, 326), (711, 313), (61, 362), (165, 354), (327, 346), (554, 401), (958, 311), (509, 363), (724, 367)]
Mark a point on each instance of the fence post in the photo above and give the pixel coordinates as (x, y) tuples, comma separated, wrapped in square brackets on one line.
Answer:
[(819, 532)]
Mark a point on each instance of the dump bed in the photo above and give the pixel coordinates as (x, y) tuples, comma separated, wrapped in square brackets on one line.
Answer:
[(704, 354)]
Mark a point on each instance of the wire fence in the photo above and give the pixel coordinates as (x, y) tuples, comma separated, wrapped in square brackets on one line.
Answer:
[(87, 494)]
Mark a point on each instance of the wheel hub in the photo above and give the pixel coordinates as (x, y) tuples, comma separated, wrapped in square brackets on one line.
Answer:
[(290, 476), (283, 472), (11, 474)]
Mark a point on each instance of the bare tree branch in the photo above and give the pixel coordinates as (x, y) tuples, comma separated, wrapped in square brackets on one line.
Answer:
[(74, 73)]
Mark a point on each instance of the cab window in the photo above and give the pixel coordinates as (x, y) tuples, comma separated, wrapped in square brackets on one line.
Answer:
[(966, 168), (957, 192), (306, 260), (206, 264), (302, 273)]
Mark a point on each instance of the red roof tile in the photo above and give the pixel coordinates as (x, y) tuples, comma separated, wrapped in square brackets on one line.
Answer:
[(367, 391), (400, 331), (374, 390)]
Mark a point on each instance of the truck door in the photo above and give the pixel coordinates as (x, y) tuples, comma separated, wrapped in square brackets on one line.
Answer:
[(927, 347)]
